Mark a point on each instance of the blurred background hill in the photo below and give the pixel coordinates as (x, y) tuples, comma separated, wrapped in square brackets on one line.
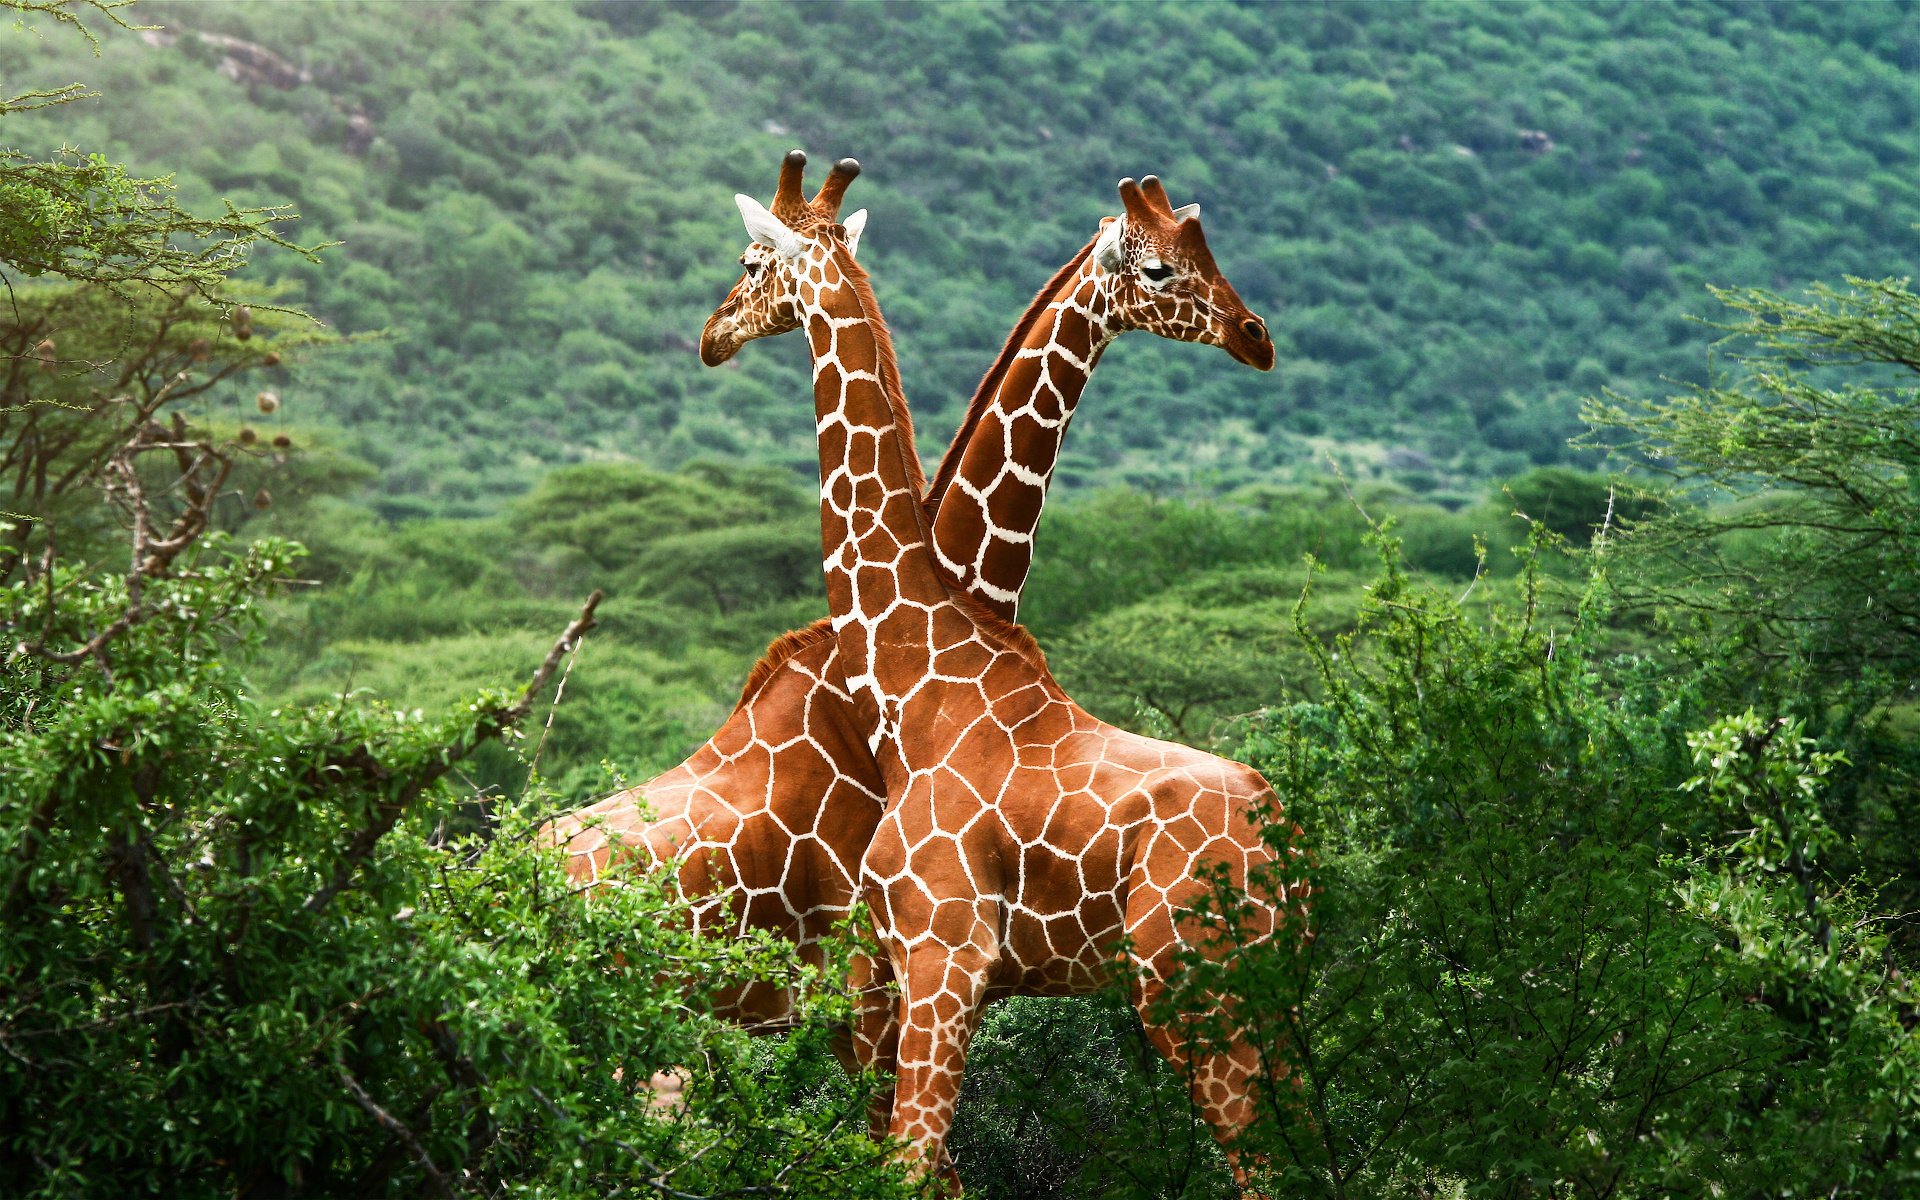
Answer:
[(1458, 218)]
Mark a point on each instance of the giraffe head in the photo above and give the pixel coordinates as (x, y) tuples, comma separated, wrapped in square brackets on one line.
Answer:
[(791, 241), (1164, 279)]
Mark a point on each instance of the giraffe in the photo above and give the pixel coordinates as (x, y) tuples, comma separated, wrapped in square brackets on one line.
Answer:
[(767, 821), (990, 489), (1022, 839)]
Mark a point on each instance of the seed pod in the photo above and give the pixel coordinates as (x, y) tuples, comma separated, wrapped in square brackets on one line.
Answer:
[(247, 436), (199, 350), (44, 354), (272, 359), (282, 441), (263, 499), (242, 322), (269, 402)]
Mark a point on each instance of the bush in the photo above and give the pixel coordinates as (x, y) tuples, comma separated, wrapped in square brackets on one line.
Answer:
[(1540, 966), (268, 950)]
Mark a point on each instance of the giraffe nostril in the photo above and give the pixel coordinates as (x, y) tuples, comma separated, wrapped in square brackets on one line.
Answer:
[(1254, 329)]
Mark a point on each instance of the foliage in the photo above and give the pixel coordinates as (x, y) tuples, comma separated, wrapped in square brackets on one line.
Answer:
[(1576, 929), (267, 949), (1067, 1098), (1576, 505), (702, 567), (1538, 966), (1458, 218), (244, 955), (1195, 656), (1814, 454), (89, 219), (1796, 570), (87, 369), (708, 535), (1183, 599)]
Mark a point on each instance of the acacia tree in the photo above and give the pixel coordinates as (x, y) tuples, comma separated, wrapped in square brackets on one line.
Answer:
[(86, 219), (123, 364), (1588, 924), (143, 315), (1798, 578), (1812, 450), (1572, 936), (244, 955)]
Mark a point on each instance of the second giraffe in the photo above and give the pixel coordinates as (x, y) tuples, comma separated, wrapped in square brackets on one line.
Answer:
[(1022, 839)]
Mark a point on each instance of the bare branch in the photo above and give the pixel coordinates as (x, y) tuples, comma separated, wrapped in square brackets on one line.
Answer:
[(491, 722), (394, 1126)]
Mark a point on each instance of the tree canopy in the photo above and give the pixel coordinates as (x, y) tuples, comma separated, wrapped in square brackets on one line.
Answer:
[(1459, 219)]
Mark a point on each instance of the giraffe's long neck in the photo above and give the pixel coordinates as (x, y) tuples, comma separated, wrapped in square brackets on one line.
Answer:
[(990, 500), (882, 584)]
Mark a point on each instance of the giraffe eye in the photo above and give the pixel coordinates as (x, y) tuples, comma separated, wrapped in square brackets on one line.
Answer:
[(754, 268), (1156, 272)]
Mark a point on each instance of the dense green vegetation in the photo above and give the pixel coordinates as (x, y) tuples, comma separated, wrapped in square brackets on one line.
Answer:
[(1175, 605), (244, 954), (534, 204), (265, 949), (1609, 781), (1574, 936)]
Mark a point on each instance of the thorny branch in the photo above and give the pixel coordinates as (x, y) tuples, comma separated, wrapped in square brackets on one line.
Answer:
[(203, 470), (396, 1127), (492, 722)]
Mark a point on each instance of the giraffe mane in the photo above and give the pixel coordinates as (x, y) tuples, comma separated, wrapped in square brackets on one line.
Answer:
[(889, 368), (778, 652), (990, 382), (1012, 637)]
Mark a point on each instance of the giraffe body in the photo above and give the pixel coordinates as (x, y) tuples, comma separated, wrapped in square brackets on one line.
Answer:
[(769, 819), (1021, 837), (766, 823)]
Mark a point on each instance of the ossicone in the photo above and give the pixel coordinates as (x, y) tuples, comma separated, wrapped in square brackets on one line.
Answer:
[(1134, 200), (827, 201), (787, 197), (1155, 194)]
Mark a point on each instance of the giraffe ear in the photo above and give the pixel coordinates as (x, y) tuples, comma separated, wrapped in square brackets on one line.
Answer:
[(855, 225), (766, 229), (1186, 212), (1106, 248)]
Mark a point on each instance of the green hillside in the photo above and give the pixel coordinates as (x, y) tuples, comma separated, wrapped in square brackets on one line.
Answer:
[(1599, 794), (1458, 218)]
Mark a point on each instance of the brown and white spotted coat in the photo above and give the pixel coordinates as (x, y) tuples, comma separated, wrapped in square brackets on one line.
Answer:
[(1021, 839), (1149, 270), (769, 818)]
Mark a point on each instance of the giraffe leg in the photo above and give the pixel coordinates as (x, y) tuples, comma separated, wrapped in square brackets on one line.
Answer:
[(1221, 1082), (939, 918), (943, 996), (872, 1041)]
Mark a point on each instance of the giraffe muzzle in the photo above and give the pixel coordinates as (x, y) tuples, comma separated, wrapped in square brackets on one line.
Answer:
[(1251, 344), (719, 341)]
